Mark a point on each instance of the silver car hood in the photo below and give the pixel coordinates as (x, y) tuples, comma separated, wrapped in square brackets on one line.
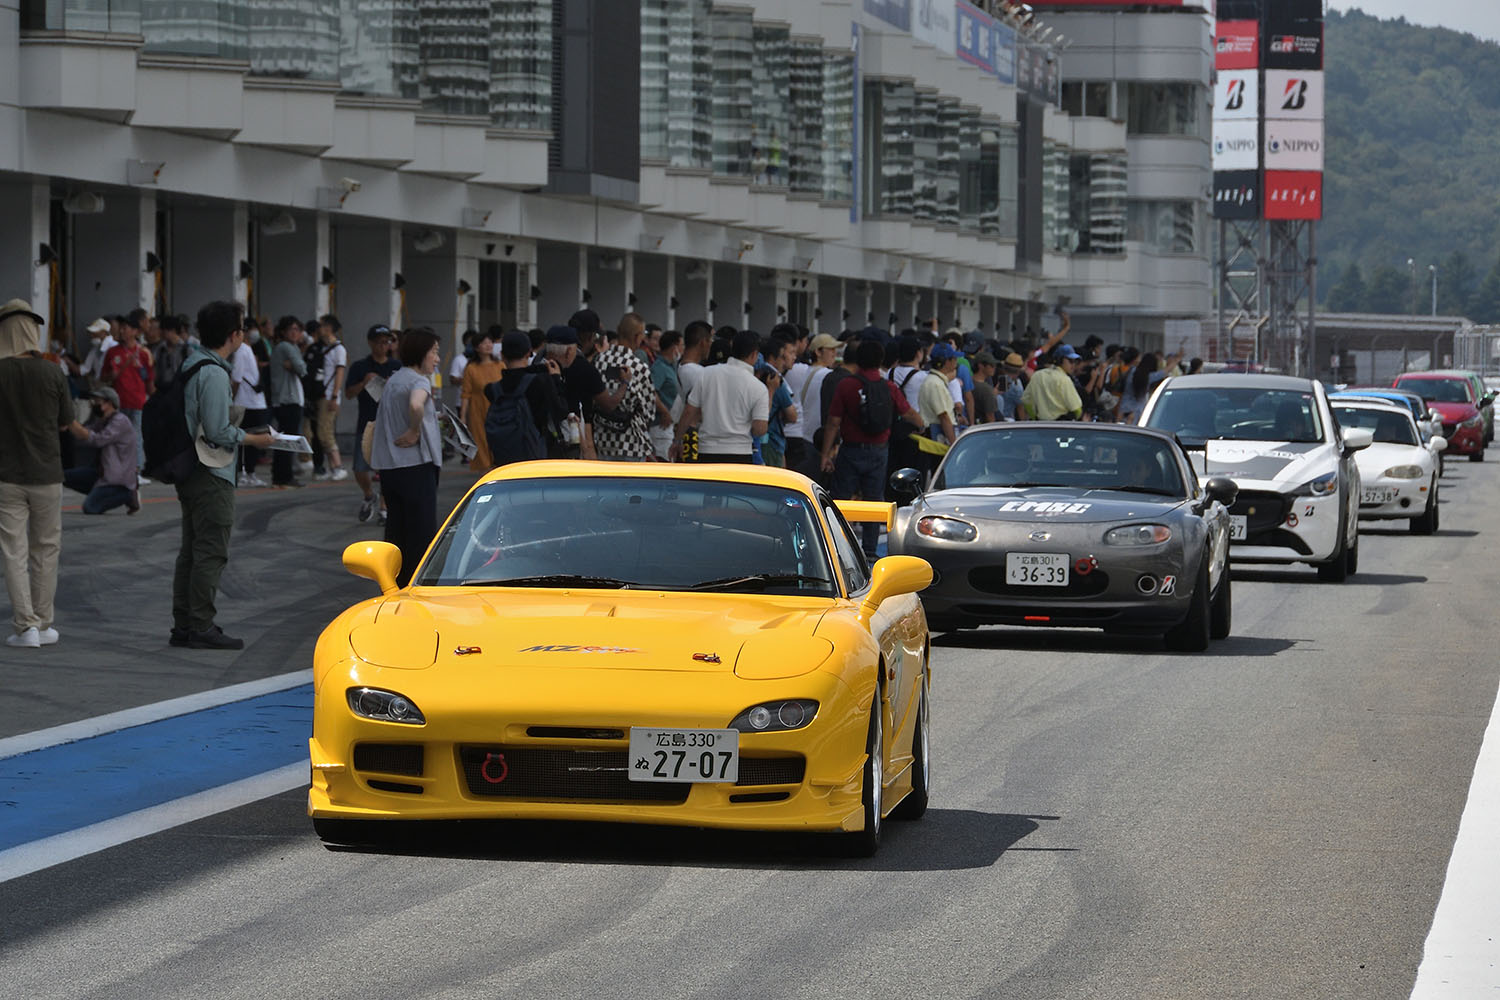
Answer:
[(1051, 504)]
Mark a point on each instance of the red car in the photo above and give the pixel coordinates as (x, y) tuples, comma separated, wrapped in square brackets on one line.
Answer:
[(1451, 395)]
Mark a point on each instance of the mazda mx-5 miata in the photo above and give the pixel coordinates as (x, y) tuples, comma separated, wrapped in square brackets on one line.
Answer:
[(1072, 524), (694, 645)]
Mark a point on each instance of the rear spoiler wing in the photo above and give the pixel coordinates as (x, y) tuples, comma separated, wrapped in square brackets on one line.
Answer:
[(868, 512)]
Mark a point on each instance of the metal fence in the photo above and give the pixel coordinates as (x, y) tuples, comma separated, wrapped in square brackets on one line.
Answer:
[(1477, 349)]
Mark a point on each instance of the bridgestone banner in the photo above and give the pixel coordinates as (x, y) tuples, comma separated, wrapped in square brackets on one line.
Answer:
[(1293, 95), (1237, 96)]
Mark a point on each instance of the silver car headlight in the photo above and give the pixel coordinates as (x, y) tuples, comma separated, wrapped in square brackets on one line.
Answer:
[(1323, 486), (384, 706), (1138, 534), (1403, 472), (949, 529)]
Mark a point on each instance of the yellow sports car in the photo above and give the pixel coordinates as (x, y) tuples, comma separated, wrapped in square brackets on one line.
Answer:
[(699, 645)]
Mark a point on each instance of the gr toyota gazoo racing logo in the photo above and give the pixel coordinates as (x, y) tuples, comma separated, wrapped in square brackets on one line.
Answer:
[(1296, 45), (1237, 45)]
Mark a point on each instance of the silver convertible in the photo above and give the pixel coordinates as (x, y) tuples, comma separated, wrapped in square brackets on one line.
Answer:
[(1071, 524)]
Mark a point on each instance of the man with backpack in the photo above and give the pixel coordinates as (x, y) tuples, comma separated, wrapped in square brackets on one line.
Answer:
[(525, 405), (206, 493), (865, 408)]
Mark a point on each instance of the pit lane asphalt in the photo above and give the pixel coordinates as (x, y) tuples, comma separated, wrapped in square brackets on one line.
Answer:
[(1273, 819)]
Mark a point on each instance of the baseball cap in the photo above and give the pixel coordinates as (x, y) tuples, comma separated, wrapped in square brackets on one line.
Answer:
[(973, 342), (515, 346), (99, 325), (105, 392), (1014, 360), (986, 358), (379, 330), (1066, 351), (823, 340), (943, 352), (559, 334), (585, 321)]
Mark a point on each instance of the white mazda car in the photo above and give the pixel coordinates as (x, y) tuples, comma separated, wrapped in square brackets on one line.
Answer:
[(1398, 473), (1277, 438)]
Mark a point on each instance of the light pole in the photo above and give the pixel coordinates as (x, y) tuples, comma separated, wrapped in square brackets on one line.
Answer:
[(1411, 267), (1433, 269)]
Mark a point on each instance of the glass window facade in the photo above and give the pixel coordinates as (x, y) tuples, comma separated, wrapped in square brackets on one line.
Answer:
[(295, 38), (771, 105), (196, 28), (988, 196), (1096, 202), (520, 63), (1059, 235), (733, 93), (122, 17), (1166, 109), (838, 126), (677, 82), (378, 49), (1165, 227), (889, 147), (655, 40), (805, 95), (453, 44)]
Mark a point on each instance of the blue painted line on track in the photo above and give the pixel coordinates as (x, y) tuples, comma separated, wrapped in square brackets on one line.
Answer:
[(62, 788)]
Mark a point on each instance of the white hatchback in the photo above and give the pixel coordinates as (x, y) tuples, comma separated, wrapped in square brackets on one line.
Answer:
[(1398, 473)]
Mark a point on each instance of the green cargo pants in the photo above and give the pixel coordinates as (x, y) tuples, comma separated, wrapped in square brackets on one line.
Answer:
[(207, 516)]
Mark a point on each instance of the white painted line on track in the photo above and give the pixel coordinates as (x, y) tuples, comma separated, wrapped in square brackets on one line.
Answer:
[(55, 850), (85, 728), (1461, 959)]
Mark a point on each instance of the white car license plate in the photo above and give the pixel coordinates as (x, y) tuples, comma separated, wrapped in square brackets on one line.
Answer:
[(1238, 527), (684, 754), (1377, 496), (1036, 569)]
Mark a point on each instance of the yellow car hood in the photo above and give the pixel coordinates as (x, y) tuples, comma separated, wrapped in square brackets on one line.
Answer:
[(757, 637)]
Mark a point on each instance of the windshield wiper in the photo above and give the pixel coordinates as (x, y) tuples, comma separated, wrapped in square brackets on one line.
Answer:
[(554, 580), (1155, 491), (1018, 486), (763, 579)]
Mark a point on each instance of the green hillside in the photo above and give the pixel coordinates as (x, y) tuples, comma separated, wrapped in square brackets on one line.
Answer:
[(1413, 169)]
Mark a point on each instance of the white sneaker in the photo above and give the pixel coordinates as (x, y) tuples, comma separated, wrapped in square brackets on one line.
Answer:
[(322, 477), (257, 482), (48, 636), (141, 481), (339, 475), (29, 639)]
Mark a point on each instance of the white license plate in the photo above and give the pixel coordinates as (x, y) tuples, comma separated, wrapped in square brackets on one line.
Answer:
[(1377, 496), (1036, 569), (684, 754), (1238, 527)]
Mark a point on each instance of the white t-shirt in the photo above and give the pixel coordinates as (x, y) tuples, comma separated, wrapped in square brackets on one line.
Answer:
[(456, 369), (93, 363), (731, 397), (336, 358), (913, 385), (810, 402), (688, 373), (245, 373), (796, 377)]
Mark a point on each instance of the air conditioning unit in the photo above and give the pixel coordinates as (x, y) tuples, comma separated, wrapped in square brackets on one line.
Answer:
[(84, 203)]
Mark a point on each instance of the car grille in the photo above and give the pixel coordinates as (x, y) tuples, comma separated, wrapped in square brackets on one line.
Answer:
[(1270, 511), (1448, 429), (991, 580), (771, 770), (389, 758), (534, 773)]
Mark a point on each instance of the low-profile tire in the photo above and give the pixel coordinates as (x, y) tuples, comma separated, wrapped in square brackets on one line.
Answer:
[(1336, 569), (914, 806), (1477, 456), (1427, 522), (1221, 610), (1351, 553), (1192, 633), (864, 843)]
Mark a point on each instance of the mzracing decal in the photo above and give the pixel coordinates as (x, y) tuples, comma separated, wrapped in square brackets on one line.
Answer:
[(579, 649)]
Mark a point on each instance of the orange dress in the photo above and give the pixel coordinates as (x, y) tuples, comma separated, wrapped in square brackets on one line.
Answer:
[(477, 375)]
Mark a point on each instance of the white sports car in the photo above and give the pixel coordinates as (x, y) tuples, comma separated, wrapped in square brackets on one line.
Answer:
[(1398, 473), (1276, 437)]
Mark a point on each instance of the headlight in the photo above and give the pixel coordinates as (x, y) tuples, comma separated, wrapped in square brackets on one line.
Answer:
[(384, 706), (1138, 534), (776, 716), (1321, 487), (947, 528), (1476, 420), (1403, 472)]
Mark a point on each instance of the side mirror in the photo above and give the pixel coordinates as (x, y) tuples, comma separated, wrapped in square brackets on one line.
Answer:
[(1358, 438), (378, 561), (892, 577), (1432, 417), (906, 484), (1225, 491), (1487, 399), (1437, 442)]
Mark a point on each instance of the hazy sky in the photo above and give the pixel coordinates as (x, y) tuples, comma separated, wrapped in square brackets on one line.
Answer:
[(1478, 17)]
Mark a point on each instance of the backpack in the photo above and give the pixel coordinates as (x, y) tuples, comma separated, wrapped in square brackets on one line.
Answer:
[(170, 455), (510, 428), (902, 429), (876, 409), (312, 383)]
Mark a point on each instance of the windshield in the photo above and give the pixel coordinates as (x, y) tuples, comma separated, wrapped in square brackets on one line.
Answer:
[(1387, 426), (651, 534), (1072, 457), (1439, 390), (1238, 414)]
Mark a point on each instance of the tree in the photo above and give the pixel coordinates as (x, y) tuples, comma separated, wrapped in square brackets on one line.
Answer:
[(1457, 281), (1485, 306), (1388, 290), (1348, 294)]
